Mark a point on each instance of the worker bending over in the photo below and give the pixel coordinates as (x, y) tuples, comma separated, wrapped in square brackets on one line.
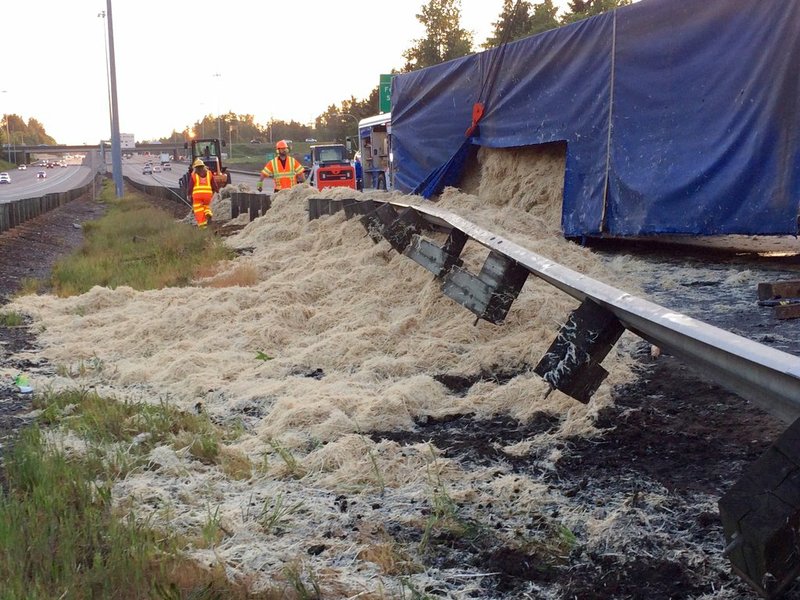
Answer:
[(284, 169)]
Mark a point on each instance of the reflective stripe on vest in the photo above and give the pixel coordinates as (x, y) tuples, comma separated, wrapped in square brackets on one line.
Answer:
[(284, 178), (202, 190)]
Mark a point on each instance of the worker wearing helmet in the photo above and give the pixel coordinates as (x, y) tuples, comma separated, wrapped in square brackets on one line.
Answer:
[(202, 188), (284, 169)]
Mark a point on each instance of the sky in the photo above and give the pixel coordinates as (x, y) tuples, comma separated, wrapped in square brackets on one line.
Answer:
[(177, 61)]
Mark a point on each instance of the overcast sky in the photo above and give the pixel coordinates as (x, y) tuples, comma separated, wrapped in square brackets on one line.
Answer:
[(177, 60)]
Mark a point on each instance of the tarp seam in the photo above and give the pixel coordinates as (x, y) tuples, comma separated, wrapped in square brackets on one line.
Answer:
[(610, 118)]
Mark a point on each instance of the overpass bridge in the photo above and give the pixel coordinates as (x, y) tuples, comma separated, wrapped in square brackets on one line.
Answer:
[(22, 153)]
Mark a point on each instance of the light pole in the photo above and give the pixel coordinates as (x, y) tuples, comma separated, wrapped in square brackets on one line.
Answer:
[(102, 15), (116, 156), (219, 122), (8, 136)]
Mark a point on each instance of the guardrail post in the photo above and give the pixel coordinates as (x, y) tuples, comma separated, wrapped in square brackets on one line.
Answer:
[(572, 363), (316, 208), (373, 223), (437, 260), (760, 515), (491, 293), (399, 231)]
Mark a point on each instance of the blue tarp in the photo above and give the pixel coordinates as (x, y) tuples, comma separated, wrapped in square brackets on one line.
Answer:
[(680, 116)]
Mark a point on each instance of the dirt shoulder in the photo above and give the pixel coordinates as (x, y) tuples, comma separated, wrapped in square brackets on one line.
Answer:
[(29, 252)]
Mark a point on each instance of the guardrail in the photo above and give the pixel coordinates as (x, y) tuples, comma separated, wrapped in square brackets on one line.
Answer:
[(158, 191), (766, 376), (255, 205), (17, 212), (760, 514)]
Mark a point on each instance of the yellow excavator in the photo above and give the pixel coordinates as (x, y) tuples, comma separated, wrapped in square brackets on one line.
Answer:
[(209, 150)]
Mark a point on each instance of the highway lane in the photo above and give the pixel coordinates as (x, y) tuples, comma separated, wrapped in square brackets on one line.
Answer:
[(25, 184)]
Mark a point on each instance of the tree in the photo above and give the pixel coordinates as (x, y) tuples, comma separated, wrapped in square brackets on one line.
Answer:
[(581, 9), (30, 133), (512, 23), (544, 17), (445, 39), (516, 21)]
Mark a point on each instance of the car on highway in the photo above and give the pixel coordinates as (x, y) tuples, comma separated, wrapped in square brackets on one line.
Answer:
[(22, 167), (148, 170), (156, 168), (41, 174), (5, 177), (167, 167)]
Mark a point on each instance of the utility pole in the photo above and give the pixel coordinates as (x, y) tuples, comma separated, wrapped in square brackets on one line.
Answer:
[(116, 156), (219, 123)]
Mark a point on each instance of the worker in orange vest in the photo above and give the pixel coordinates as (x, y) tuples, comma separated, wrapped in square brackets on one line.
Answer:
[(202, 188), (284, 169)]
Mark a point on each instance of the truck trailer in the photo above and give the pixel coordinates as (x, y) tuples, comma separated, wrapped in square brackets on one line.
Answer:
[(375, 146)]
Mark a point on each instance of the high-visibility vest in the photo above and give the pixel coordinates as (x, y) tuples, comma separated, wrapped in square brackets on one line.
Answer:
[(284, 176), (202, 190)]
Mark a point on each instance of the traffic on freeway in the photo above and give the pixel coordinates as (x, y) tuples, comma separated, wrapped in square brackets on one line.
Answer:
[(37, 179)]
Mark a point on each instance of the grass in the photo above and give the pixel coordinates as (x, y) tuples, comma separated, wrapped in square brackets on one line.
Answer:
[(11, 319), (137, 245), (444, 515), (60, 534), (293, 468)]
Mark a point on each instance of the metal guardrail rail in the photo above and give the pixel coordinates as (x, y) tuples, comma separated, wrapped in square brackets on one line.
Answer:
[(766, 376)]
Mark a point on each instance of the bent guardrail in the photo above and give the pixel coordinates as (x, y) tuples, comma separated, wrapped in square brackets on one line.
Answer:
[(760, 514)]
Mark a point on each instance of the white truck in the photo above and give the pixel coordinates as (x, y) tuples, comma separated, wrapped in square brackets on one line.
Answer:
[(375, 147), (165, 157)]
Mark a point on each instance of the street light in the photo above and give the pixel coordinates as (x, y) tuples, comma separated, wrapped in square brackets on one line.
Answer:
[(8, 136), (111, 72), (219, 123), (102, 15)]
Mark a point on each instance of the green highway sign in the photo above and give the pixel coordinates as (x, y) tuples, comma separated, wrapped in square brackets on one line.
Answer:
[(385, 94)]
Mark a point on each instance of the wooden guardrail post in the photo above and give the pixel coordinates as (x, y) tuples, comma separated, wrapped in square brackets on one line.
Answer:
[(572, 363), (761, 517), (489, 294)]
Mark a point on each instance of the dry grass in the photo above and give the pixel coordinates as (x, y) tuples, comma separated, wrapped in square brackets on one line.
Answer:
[(240, 276)]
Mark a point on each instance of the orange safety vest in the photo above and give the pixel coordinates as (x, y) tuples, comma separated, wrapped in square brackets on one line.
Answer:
[(285, 177), (202, 190)]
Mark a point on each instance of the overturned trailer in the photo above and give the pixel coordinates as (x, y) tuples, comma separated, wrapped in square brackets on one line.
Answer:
[(679, 117)]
